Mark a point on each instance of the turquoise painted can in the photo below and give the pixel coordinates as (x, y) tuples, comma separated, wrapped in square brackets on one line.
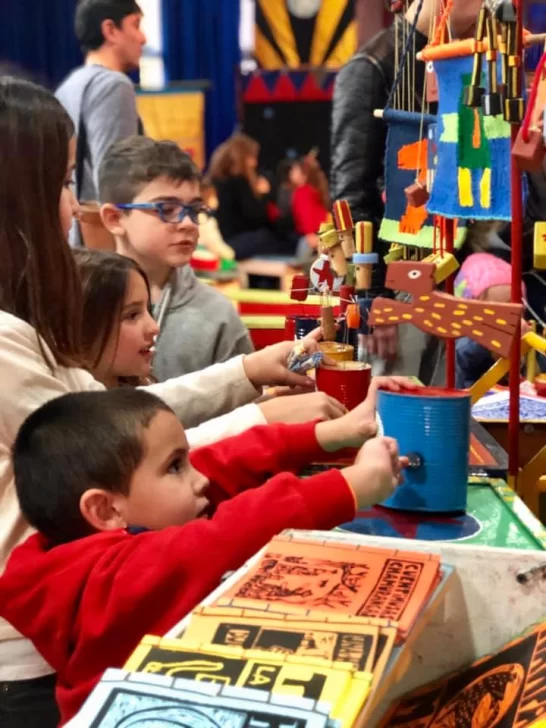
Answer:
[(432, 427)]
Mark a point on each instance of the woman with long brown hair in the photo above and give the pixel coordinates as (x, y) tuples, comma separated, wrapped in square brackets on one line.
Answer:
[(41, 350), (248, 219)]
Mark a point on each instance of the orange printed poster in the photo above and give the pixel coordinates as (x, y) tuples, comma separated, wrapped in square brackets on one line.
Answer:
[(504, 690), (294, 576)]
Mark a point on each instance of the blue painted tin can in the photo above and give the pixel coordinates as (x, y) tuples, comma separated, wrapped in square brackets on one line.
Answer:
[(432, 426)]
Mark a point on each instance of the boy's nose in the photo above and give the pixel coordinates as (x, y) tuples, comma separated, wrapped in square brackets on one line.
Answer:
[(201, 485)]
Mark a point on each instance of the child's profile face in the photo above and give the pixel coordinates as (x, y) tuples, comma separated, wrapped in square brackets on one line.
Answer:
[(297, 175), (129, 350), (162, 243), (165, 489), (68, 203)]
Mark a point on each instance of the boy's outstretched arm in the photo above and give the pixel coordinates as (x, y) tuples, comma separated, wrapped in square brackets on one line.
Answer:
[(248, 460)]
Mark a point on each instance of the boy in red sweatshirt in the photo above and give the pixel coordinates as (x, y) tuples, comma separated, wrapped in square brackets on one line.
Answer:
[(134, 531)]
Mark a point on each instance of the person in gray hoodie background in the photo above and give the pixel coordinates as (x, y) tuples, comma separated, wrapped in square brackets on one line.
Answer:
[(151, 203)]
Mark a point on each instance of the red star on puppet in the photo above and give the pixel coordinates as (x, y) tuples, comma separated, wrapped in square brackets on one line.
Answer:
[(326, 275), (405, 524)]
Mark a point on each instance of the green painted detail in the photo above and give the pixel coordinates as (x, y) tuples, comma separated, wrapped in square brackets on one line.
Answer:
[(506, 521), (450, 132), (390, 232), (468, 155), (496, 127)]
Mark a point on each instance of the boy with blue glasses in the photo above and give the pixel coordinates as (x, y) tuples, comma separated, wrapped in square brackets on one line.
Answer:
[(152, 205)]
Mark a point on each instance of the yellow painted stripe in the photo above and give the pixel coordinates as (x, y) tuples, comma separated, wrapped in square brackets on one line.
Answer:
[(345, 49), (278, 20), (266, 55), (326, 25)]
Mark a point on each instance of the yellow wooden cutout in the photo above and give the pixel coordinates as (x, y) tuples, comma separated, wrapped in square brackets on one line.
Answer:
[(539, 247)]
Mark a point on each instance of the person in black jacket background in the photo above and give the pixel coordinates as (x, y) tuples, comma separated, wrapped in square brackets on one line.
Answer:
[(248, 218), (358, 139)]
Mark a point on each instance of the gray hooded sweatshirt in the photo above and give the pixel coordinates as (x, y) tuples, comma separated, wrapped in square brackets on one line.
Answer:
[(199, 326)]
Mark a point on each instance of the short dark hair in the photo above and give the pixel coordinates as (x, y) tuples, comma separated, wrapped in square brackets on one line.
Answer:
[(133, 163), (91, 14), (73, 443)]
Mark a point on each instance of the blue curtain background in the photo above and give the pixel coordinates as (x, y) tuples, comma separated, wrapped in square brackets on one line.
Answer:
[(201, 41), (38, 37)]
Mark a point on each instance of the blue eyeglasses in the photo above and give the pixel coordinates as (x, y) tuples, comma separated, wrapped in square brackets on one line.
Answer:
[(172, 211)]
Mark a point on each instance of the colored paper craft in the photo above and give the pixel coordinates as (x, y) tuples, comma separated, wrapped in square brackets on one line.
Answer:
[(504, 690), (338, 642), (407, 160), (473, 152), (335, 683), (124, 700), (295, 576)]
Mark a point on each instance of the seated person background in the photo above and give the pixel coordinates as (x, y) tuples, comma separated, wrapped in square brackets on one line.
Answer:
[(482, 277), (249, 220), (134, 531)]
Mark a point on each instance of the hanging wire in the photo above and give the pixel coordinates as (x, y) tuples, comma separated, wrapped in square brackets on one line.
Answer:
[(407, 46)]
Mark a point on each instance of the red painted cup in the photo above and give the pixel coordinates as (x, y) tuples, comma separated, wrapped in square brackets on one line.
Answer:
[(348, 382), (290, 328)]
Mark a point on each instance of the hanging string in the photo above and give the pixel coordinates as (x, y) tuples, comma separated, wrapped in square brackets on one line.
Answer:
[(407, 46), (424, 100)]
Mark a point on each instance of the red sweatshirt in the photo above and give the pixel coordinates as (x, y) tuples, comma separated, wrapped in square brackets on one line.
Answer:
[(307, 210), (86, 605)]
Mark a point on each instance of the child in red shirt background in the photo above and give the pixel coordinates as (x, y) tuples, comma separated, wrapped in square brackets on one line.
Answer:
[(303, 194), (134, 530)]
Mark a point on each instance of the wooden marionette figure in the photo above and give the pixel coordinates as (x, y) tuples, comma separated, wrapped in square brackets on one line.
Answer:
[(364, 260), (344, 225), (330, 244)]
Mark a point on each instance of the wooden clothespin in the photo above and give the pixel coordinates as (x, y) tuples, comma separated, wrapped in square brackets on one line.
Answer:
[(364, 258)]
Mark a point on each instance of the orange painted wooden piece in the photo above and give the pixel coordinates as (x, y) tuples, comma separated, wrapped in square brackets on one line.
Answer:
[(414, 157), (493, 325), (352, 316)]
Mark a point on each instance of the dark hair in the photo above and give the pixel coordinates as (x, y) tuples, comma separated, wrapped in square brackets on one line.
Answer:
[(74, 443), (91, 14), (133, 163), (39, 282), (105, 277)]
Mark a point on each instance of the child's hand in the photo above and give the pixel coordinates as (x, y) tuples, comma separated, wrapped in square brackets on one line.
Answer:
[(302, 408), (262, 186), (376, 473), (359, 425)]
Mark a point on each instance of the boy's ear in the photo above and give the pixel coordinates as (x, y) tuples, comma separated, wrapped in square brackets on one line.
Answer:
[(108, 28), (101, 509), (112, 220)]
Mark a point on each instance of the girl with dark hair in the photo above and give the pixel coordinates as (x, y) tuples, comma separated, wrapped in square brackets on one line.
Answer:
[(119, 329), (42, 354)]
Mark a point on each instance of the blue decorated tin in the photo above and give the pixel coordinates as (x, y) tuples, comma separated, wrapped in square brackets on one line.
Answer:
[(432, 426)]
